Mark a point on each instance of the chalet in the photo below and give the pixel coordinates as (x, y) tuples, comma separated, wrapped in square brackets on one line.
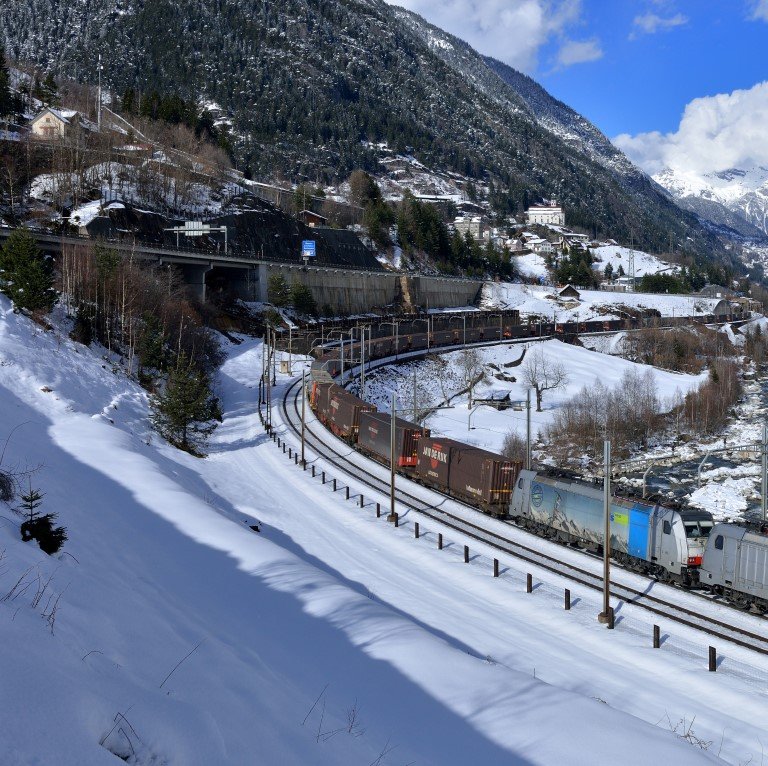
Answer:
[(570, 292), (59, 123), (550, 214), (310, 218)]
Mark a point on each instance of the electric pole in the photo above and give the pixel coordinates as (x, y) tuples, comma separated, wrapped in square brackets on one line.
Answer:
[(604, 616), (392, 459)]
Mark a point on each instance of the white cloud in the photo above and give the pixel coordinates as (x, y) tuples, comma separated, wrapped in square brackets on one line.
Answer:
[(715, 133), (574, 52), (651, 23), (513, 31), (760, 10)]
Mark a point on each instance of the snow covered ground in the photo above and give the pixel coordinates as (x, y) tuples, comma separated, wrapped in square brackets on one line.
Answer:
[(488, 425), (183, 637), (645, 263), (531, 265), (593, 304)]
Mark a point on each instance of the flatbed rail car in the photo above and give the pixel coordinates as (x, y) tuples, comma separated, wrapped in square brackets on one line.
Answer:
[(470, 473), (375, 436)]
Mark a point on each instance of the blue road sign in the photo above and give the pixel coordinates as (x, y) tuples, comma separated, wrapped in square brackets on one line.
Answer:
[(308, 248)]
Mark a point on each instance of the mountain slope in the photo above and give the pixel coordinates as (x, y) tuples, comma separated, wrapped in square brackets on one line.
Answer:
[(742, 193), (307, 83)]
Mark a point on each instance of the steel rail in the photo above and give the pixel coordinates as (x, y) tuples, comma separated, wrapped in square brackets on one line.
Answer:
[(682, 615)]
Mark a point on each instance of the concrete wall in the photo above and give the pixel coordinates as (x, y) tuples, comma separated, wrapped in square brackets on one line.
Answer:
[(348, 291)]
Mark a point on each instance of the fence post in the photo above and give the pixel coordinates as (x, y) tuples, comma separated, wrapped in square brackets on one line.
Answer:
[(466, 554), (495, 567), (347, 494), (416, 530), (656, 637), (440, 541), (529, 583), (290, 453), (611, 618), (334, 485), (567, 600), (295, 458), (397, 518), (378, 510), (712, 659), (313, 472), (323, 477), (362, 500)]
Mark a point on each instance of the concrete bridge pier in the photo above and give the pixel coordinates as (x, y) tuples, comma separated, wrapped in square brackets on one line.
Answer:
[(195, 277)]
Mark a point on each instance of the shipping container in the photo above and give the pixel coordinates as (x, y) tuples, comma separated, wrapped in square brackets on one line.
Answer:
[(374, 437), (342, 414), (481, 477)]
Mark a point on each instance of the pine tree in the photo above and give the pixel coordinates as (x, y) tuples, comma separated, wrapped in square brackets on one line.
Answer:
[(40, 527), (278, 291), (183, 413), (303, 300), (6, 97), (26, 275)]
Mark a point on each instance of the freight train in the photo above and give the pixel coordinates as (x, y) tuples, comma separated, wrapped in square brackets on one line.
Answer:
[(681, 546)]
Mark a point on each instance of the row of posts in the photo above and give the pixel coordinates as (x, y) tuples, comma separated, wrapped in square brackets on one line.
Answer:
[(609, 619)]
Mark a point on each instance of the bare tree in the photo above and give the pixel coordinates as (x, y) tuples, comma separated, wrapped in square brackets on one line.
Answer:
[(543, 374), (470, 363), (417, 397)]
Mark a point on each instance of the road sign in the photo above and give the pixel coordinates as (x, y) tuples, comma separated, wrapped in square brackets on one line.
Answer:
[(308, 248), (195, 228)]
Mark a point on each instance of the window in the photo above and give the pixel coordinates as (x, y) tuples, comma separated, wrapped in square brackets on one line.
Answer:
[(698, 528), (667, 528), (719, 542)]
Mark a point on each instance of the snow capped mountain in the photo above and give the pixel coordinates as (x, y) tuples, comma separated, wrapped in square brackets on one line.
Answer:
[(741, 191)]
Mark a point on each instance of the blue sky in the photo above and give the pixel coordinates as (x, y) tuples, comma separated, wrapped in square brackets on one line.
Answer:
[(661, 77)]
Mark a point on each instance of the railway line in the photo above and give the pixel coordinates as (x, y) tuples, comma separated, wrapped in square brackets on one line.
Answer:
[(414, 498)]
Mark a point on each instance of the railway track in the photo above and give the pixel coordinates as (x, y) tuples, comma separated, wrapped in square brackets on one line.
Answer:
[(340, 458)]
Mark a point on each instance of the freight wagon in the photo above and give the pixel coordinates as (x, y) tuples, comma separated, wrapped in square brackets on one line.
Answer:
[(339, 410), (483, 478), (374, 438), (647, 538), (736, 565)]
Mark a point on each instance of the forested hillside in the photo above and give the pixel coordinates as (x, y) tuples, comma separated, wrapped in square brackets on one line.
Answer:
[(306, 84)]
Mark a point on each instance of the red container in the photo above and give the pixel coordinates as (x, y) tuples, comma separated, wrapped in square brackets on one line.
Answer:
[(342, 414)]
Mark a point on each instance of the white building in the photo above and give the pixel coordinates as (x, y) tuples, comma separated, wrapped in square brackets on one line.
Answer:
[(59, 123), (549, 214)]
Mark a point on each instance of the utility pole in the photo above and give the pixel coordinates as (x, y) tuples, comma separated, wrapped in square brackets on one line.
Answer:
[(604, 616), (764, 484), (303, 412), (98, 106), (392, 460), (528, 430), (362, 362), (342, 359), (415, 417)]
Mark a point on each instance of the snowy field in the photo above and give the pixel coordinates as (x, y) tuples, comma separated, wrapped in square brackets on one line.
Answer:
[(485, 426), (531, 265), (645, 263), (182, 637), (594, 304)]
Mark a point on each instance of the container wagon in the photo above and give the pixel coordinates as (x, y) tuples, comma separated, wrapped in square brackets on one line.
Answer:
[(374, 438), (483, 478), (340, 411)]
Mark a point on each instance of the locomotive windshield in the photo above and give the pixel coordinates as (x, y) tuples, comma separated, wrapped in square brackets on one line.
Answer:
[(698, 528)]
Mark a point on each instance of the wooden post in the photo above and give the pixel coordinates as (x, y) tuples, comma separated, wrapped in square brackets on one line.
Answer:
[(334, 485), (567, 600), (347, 494), (611, 618), (397, 518), (495, 567), (529, 583), (656, 637), (378, 510), (323, 477), (712, 659), (416, 530), (440, 541), (313, 472), (466, 554), (362, 500), (290, 453)]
